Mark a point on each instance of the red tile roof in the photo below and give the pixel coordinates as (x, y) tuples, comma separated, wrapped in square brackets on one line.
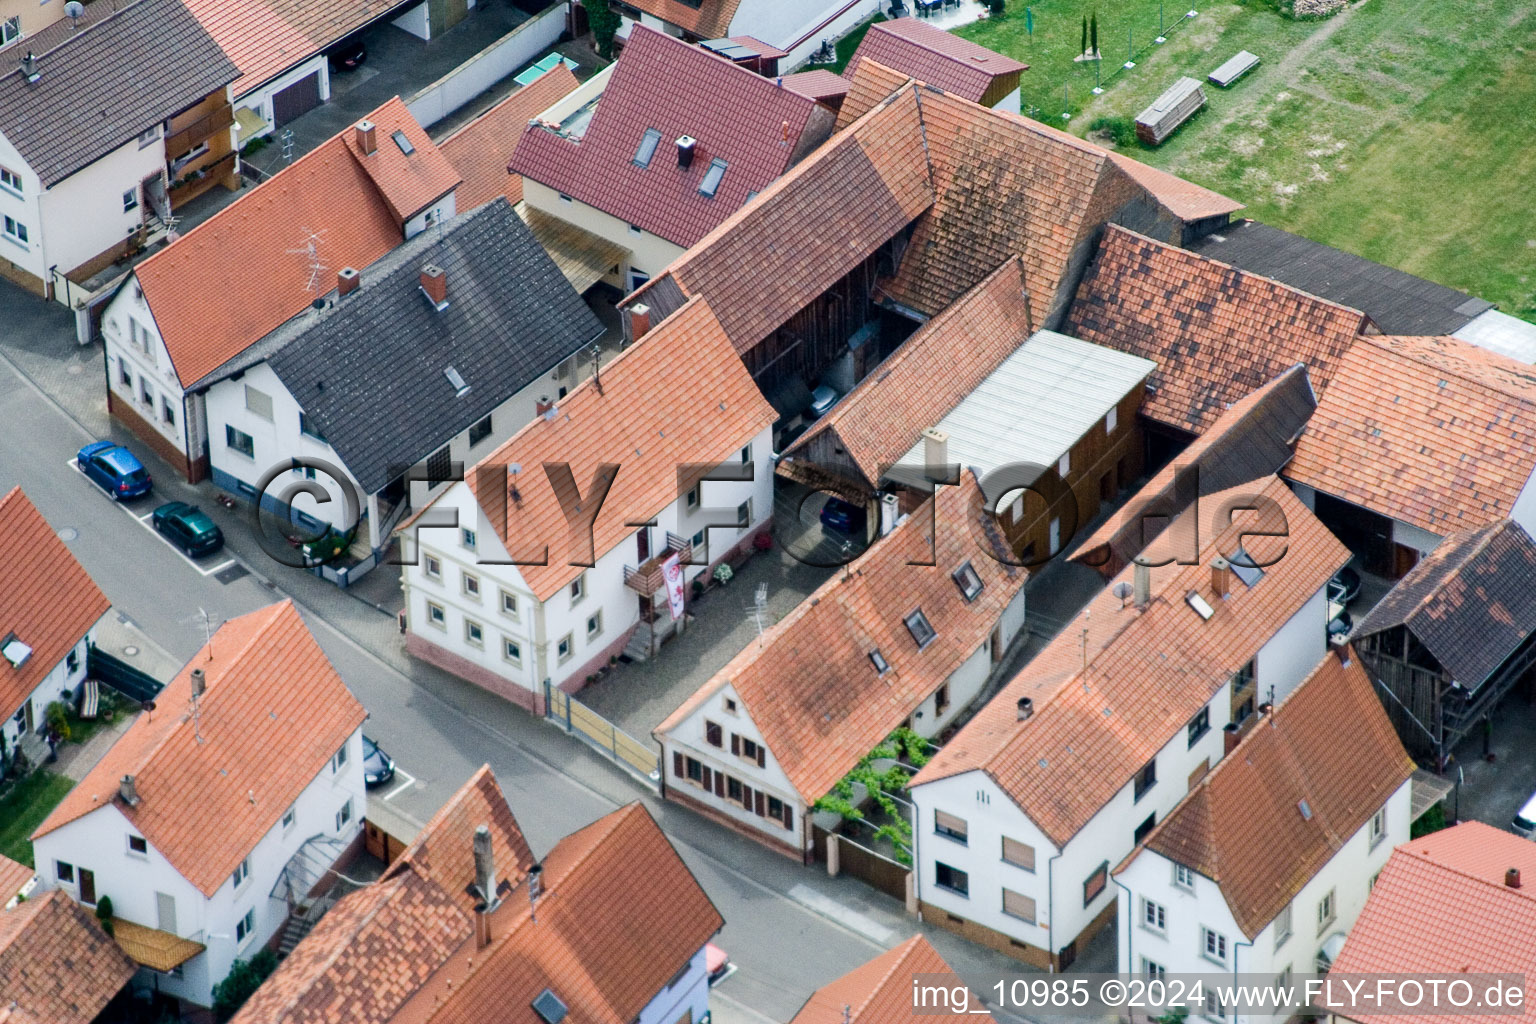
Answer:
[(945, 360), (13, 876), (208, 305), (869, 85), (480, 149), (377, 947), (1149, 670), (935, 57), (48, 600), (757, 127), (267, 37), (620, 915), (56, 964), (1216, 332), (1441, 907), (818, 84), (809, 685), (707, 19), (880, 991), (1329, 744), (274, 713), (1433, 432), (808, 229), (1184, 199), (631, 420)]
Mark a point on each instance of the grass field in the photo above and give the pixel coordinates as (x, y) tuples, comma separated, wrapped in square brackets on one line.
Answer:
[(1396, 130), (24, 808)]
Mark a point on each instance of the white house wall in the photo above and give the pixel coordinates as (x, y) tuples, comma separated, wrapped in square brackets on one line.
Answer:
[(259, 99), (686, 999), (61, 683), (648, 254), (152, 363), (1294, 651), (98, 842), (799, 26), (24, 209), (83, 215), (444, 209), (1178, 949)]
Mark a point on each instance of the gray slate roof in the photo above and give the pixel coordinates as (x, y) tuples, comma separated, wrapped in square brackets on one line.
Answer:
[(104, 84), (1471, 602), (368, 370), (1398, 302)]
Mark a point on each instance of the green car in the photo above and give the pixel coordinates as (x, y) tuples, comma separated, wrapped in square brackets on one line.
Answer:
[(188, 527)]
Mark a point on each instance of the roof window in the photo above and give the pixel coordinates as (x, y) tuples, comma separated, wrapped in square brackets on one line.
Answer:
[(455, 378), (14, 650), (549, 1007), (921, 629), (1245, 568), (647, 149), (968, 580), (878, 660), (711, 183), (403, 142), (1201, 606)]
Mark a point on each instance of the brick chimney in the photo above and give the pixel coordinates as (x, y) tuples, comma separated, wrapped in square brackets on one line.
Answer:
[(347, 280), (367, 137), (1512, 878), (434, 281), (1026, 708), (639, 318), (542, 406), (1221, 577)]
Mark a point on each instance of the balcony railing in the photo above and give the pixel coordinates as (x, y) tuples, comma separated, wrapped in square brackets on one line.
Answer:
[(188, 138), (649, 578)]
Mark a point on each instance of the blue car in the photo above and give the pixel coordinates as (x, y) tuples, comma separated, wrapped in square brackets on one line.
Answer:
[(843, 517), (115, 470)]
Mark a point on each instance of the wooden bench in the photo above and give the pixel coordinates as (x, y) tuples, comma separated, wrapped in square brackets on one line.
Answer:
[(90, 700), (1234, 69)]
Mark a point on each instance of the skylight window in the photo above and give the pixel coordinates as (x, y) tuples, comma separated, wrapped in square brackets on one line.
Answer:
[(648, 143), (968, 580), (711, 183), (921, 629), (549, 1007), (1244, 567), (1201, 606), (15, 651), (878, 660), (457, 380), (403, 142), (1305, 809)]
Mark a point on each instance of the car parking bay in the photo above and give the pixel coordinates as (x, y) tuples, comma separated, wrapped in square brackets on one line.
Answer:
[(142, 510)]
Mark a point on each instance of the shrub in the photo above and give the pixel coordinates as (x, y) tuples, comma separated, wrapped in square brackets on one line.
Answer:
[(724, 572), (996, 8), (104, 914), (1432, 820), (57, 717), (604, 22), (244, 978), (1122, 130), (698, 587)]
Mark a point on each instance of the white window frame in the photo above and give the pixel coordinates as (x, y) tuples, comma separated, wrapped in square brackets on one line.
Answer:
[(468, 538), (595, 631), (1184, 877), (1378, 827), (245, 928), (507, 644), (1211, 939), (470, 583), (10, 181), (241, 875), (569, 644), (15, 231), (510, 606), (258, 403), (433, 567), (1327, 910), (344, 815), (1154, 916), (474, 633), (436, 616), (289, 817), (1283, 927)]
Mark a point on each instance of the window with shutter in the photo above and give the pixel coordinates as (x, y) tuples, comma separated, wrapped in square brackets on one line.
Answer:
[(789, 817), (719, 784), (1016, 904), (746, 796), (762, 759), (950, 827), (713, 733), (761, 804), (1020, 855), (735, 744), (677, 764)]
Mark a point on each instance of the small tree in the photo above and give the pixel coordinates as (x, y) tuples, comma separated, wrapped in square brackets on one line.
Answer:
[(1093, 34), (604, 23), (57, 717), (244, 978), (104, 914), (996, 8), (1084, 47)]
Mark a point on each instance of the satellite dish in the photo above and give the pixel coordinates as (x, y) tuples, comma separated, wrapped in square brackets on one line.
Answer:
[(74, 9), (515, 468)]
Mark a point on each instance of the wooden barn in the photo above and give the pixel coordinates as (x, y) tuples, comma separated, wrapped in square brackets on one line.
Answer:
[(1454, 637)]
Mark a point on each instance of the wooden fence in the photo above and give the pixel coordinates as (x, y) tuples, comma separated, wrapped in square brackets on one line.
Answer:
[(641, 760)]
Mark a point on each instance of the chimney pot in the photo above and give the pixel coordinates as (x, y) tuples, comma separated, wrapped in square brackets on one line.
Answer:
[(1221, 577), (1141, 588), (1512, 878), (434, 281), (542, 406), (127, 788), (639, 321), (347, 280), (367, 137), (199, 683), (485, 865), (935, 452), (1026, 708)]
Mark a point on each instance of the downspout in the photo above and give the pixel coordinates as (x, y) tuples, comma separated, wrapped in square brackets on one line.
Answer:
[(1236, 949), (1130, 926), (1050, 926)]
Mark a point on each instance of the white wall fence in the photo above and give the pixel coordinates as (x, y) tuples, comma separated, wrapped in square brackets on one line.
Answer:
[(523, 45)]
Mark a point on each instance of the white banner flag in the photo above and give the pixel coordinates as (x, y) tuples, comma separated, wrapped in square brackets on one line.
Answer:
[(672, 569)]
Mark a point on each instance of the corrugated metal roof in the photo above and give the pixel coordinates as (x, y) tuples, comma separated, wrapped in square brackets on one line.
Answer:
[(1035, 406)]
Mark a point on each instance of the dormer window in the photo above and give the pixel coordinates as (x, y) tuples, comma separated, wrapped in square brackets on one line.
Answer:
[(878, 660), (647, 148), (968, 580), (711, 183), (921, 629)]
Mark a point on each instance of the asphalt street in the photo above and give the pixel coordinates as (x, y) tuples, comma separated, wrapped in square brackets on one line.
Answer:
[(789, 929)]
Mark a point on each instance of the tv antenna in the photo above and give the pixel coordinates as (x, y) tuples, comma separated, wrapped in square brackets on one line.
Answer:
[(310, 250), (760, 608), (286, 138)]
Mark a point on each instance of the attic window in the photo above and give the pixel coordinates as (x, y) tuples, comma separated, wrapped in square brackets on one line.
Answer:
[(711, 183), (878, 660), (1305, 809), (1201, 606), (403, 142), (920, 628), (1245, 568), (460, 389), (968, 580), (647, 149), (15, 651), (549, 1007)]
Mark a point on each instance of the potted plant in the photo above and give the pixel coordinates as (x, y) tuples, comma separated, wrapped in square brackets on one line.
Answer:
[(723, 573), (762, 541)]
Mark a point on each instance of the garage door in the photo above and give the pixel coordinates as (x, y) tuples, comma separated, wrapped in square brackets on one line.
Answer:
[(299, 98)]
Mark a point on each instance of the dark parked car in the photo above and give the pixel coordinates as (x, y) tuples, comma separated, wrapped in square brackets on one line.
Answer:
[(1340, 626), (348, 55), (822, 400), (1344, 587), (378, 767), (115, 470), (188, 527), (843, 517)]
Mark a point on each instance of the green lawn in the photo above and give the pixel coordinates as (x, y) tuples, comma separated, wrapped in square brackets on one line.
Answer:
[(1400, 131), (25, 807)]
